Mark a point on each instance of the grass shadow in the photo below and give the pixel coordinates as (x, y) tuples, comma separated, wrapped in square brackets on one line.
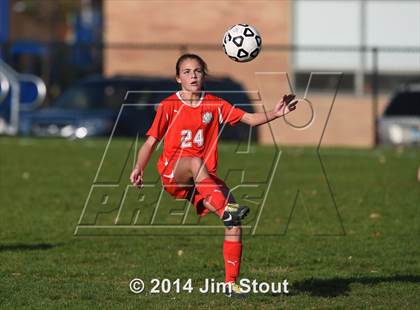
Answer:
[(27, 247), (341, 286)]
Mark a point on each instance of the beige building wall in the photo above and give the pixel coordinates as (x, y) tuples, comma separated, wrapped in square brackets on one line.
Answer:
[(348, 122), (204, 22), (192, 22)]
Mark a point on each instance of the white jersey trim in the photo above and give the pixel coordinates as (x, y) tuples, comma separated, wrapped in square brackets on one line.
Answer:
[(178, 94), (220, 116)]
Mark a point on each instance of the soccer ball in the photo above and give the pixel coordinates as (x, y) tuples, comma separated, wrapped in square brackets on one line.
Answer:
[(242, 43)]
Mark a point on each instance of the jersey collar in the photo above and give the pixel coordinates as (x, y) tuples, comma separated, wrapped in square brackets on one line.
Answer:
[(178, 94)]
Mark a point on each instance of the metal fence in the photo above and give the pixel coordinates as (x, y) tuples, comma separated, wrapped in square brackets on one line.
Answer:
[(59, 64)]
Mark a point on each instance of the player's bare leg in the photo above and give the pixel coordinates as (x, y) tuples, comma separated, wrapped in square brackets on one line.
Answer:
[(192, 170), (188, 170)]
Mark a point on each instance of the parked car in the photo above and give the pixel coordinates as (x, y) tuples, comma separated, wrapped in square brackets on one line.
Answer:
[(92, 106), (400, 123)]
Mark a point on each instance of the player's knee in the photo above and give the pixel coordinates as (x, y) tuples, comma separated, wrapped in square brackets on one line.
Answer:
[(196, 164)]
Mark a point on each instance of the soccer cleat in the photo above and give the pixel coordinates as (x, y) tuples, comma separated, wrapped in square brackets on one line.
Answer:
[(234, 290), (233, 214)]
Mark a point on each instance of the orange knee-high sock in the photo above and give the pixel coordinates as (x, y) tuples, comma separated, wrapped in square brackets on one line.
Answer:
[(213, 194), (232, 252)]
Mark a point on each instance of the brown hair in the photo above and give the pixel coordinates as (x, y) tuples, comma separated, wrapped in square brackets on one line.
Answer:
[(191, 56)]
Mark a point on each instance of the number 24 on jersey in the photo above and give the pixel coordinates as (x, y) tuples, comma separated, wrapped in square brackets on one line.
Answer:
[(187, 139)]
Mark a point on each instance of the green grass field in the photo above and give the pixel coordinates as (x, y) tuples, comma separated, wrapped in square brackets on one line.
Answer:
[(363, 255)]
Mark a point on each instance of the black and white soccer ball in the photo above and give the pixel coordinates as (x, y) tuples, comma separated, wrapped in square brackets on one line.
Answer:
[(242, 43)]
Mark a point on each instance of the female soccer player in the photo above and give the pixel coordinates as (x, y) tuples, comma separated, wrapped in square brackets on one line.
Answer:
[(189, 122)]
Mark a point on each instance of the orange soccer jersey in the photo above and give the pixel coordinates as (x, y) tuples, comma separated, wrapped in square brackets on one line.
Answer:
[(191, 131)]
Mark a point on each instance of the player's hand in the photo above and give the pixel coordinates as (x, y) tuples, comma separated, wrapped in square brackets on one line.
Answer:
[(136, 177), (286, 105)]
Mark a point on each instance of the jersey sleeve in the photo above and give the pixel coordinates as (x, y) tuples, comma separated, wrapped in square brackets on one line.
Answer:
[(230, 114), (160, 123)]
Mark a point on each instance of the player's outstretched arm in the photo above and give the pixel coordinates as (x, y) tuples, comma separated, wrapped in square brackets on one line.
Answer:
[(143, 157), (283, 107)]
